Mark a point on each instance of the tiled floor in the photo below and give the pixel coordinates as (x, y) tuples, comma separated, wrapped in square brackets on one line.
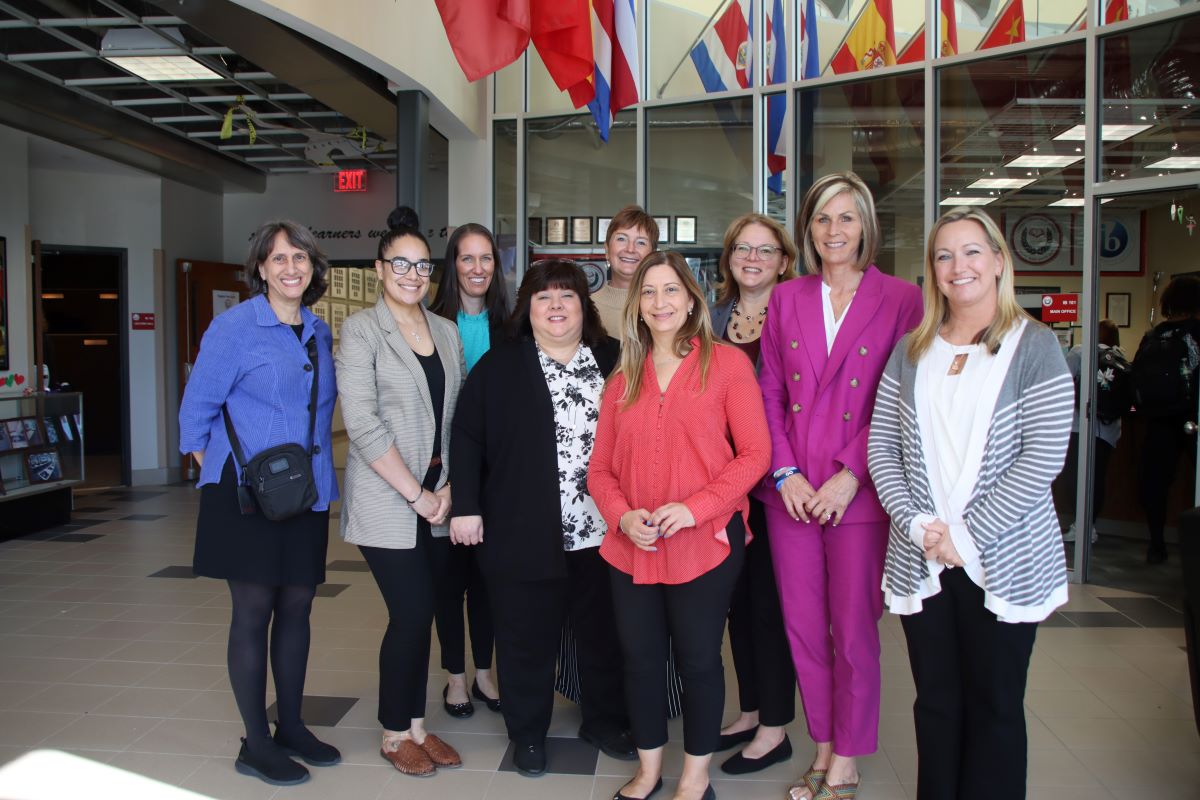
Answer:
[(111, 649)]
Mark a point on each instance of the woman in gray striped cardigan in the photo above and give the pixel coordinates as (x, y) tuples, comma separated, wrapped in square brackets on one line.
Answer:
[(970, 428)]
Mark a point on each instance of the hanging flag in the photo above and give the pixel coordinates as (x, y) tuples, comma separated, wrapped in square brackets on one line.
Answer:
[(915, 49), (810, 55), (562, 33), (1114, 11), (723, 55), (485, 35), (776, 104), (613, 83), (871, 41), (1009, 27)]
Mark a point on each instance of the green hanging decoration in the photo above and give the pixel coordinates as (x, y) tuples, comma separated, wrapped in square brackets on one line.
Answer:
[(227, 124)]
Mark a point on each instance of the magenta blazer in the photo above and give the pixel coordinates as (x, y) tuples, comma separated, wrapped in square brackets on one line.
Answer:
[(819, 406)]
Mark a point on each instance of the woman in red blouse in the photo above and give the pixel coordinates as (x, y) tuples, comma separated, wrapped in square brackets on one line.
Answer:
[(682, 438)]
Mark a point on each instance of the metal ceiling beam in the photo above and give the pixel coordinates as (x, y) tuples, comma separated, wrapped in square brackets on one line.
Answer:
[(35, 106)]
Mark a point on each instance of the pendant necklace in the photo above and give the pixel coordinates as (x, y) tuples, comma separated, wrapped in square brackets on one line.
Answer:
[(753, 325), (960, 361)]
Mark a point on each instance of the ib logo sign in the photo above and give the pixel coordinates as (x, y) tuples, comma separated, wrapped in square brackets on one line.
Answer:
[(1114, 238)]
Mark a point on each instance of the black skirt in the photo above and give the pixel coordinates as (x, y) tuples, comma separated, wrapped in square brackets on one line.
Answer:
[(233, 546)]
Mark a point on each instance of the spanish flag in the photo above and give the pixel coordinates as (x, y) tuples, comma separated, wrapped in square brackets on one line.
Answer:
[(915, 49), (871, 41), (1009, 27)]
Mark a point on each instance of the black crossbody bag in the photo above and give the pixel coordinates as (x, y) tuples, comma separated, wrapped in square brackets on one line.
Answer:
[(278, 482)]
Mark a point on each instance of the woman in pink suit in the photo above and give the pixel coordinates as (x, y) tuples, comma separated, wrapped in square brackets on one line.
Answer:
[(825, 343)]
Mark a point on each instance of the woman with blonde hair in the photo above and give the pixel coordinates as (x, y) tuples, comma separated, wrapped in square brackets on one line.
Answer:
[(970, 429), (757, 256), (673, 493), (826, 339)]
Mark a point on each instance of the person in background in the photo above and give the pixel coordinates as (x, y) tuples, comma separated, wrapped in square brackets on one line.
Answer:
[(681, 441), (1107, 431), (826, 339), (523, 436), (632, 235), (258, 361), (970, 429), (471, 295), (1165, 372), (399, 369), (757, 256)]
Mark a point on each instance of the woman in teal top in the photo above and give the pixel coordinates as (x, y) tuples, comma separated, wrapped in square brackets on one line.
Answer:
[(472, 296)]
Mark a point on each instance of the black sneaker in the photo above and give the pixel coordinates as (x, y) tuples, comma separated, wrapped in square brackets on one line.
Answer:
[(529, 759), (269, 763), (299, 741)]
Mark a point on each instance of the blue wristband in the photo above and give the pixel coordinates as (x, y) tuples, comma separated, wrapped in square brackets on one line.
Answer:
[(783, 475)]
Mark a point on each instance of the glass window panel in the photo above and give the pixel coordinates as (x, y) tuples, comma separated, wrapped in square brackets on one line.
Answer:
[(1150, 117), (573, 176), (1120, 10), (775, 163), (715, 187), (875, 128), (544, 94), (984, 24), (504, 201), (510, 88), (687, 55)]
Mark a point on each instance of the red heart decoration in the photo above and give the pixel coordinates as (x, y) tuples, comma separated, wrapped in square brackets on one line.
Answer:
[(20, 379)]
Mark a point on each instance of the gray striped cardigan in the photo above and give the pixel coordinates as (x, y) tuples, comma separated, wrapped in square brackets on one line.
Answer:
[(1010, 516)]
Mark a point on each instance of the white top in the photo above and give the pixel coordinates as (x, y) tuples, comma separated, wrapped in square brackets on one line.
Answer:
[(575, 389), (954, 407), (832, 326)]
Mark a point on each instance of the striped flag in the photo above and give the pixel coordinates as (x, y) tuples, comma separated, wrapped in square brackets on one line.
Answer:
[(613, 84), (871, 41), (810, 55), (776, 104), (948, 42), (723, 55)]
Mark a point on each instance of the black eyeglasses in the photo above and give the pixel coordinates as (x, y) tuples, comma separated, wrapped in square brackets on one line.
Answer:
[(401, 266)]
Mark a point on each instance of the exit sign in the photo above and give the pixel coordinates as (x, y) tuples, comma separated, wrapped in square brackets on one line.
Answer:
[(351, 180)]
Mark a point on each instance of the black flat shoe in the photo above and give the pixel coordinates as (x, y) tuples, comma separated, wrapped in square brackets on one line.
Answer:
[(529, 759), (300, 742), (270, 764), (459, 710), (739, 764), (493, 703), (615, 744), (729, 740), (709, 793), (657, 786)]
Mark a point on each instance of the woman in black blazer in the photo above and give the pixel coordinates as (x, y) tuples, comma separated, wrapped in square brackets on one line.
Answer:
[(519, 451)]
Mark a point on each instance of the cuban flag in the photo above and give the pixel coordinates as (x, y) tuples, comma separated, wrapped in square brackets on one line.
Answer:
[(776, 104), (810, 63), (613, 85), (723, 55)]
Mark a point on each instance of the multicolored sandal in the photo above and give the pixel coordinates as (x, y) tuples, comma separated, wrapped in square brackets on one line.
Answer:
[(809, 785), (841, 791)]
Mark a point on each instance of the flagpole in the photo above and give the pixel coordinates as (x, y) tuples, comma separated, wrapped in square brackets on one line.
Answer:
[(692, 46)]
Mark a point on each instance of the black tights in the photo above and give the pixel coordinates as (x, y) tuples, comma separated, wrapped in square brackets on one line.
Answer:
[(285, 610)]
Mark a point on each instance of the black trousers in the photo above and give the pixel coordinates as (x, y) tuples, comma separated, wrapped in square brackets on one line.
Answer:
[(970, 670), (528, 617), (692, 615), (462, 576), (407, 580), (1165, 441), (762, 658)]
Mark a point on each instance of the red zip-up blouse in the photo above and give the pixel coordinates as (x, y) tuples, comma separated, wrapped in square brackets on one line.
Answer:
[(705, 449)]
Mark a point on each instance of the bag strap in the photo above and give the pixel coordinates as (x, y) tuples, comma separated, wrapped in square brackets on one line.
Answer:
[(236, 445)]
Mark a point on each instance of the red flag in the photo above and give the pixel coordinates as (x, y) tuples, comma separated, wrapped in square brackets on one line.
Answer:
[(915, 49), (562, 34), (1114, 11), (871, 41), (1009, 27), (485, 35), (948, 28)]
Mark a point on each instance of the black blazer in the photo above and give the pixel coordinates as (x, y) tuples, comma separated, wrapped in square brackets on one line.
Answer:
[(504, 461)]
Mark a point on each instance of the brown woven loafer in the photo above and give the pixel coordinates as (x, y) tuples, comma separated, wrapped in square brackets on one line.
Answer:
[(409, 758), (440, 753)]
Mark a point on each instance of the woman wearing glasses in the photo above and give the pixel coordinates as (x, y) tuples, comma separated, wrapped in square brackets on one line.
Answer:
[(399, 369), (758, 255)]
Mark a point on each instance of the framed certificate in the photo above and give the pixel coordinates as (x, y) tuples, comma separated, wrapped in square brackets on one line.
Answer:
[(556, 230), (664, 229), (534, 234), (581, 230), (1116, 308), (685, 230), (354, 285), (602, 224), (337, 282)]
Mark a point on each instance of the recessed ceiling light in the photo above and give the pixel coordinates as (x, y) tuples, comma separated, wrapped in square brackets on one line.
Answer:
[(1112, 133), (1177, 162), (967, 201), (161, 69), (1068, 201), (1043, 161), (1001, 183)]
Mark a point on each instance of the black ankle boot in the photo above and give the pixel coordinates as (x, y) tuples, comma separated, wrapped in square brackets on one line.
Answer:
[(268, 762)]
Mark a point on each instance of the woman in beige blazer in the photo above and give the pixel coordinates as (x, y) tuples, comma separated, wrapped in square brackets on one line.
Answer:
[(399, 369)]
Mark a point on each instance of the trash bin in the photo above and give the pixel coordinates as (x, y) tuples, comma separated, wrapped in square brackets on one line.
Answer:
[(1189, 556)]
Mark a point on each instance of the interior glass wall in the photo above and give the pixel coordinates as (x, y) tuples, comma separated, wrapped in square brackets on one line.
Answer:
[(504, 199)]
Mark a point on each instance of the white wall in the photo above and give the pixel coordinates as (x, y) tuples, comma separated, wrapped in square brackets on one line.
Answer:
[(14, 217)]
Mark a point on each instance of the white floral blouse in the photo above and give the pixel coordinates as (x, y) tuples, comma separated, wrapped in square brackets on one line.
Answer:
[(575, 389)]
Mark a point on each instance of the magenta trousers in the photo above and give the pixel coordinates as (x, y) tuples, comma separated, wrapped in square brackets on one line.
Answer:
[(829, 591)]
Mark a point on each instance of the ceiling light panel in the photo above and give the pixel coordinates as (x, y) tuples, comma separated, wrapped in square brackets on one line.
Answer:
[(1001, 183), (1177, 162), (163, 69), (967, 201), (1112, 133), (1043, 161)]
